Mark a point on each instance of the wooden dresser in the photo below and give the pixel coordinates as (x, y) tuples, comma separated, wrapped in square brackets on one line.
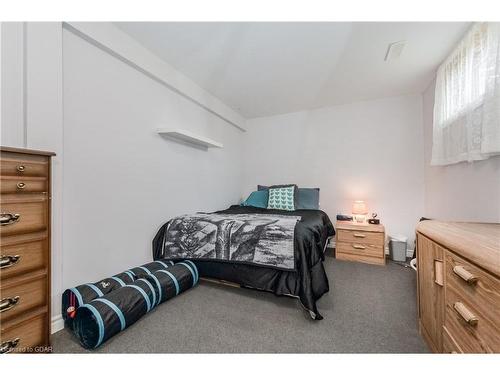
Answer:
[(459, 286), (362, 243), (25, 250)]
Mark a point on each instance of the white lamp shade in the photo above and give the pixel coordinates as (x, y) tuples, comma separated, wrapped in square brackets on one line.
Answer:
[(359, 208)]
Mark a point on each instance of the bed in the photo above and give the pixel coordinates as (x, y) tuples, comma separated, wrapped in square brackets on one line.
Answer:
[(307, 281)]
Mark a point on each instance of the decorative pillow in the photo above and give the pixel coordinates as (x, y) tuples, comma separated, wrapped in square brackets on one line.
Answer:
[(257, 199), (307, 199), (282, 197)]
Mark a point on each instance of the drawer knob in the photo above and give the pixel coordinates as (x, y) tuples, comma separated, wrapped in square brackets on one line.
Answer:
[(8, 303), (9, 260), (8, 346), (358, 235), (21, 168), (359, 247), (465, 313), (465, 275), (21, 185), (7, 219)]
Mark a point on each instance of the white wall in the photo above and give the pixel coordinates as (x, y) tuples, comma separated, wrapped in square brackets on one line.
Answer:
[(367, 150), (121, 179), (115, 181), (32, 110), (462, 191), (13, 62)]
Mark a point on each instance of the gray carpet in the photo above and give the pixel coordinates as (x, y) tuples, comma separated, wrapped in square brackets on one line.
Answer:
[(369, 309)]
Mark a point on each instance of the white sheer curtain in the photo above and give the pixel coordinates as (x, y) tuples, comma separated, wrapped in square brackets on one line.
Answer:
[(467, 99)]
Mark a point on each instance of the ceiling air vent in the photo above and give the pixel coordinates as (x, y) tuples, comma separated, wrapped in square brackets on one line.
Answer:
[(394, 50)]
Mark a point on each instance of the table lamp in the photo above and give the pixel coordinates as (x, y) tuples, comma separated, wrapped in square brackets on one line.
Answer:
[(359, 211)]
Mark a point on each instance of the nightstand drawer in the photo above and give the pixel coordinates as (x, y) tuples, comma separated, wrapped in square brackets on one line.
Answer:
[(361, 237), (360, 249)]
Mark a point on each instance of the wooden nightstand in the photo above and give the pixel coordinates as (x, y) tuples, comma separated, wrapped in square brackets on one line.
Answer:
[(362, 243)]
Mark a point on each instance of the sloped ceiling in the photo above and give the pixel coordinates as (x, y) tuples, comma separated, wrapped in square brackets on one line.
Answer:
[(263, 69)]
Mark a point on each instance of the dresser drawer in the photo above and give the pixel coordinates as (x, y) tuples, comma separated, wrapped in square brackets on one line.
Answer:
[(10, 185), (29, 336), (24, 257), (358, 248), (19, 295), (472, 307), (23, 217), (360, 237), (12, 164)]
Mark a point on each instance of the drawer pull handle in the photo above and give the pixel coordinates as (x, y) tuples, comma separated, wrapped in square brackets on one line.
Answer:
[(465, 275), (8, 346), (21, 168), (7, 219), (9, 260), (8, 303), (359, 247), (358, 235), (21, 185), (465, 313), (438, 272)]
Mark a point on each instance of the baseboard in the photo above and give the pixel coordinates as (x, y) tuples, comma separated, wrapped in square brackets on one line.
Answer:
[(57, 324)]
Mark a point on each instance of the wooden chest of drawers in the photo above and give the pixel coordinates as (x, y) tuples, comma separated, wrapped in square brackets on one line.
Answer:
[(24, 250), (362, 243), (459, 286)]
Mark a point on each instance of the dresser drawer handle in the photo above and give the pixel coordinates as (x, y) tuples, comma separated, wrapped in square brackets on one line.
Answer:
[(21, 185), (438, 272), (465, 313), (8, 346), (9, 260), (359, 247), (358, 235), (8, 303), (465, 275), (21, 168), (7, 219)]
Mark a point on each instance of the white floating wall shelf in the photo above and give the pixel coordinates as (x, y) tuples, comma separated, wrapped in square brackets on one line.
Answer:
[(187, 136)]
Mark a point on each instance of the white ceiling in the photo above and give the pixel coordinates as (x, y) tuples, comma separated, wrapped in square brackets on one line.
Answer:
[(262, 69)]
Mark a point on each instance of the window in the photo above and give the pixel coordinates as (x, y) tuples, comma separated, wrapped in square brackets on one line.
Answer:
[(467, 99)]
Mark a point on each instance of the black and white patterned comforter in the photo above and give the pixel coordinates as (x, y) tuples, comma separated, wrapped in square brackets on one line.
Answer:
[(264, 240)]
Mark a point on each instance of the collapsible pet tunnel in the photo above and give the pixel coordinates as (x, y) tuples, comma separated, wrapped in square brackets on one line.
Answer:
[(98, 320), (74, 297)]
